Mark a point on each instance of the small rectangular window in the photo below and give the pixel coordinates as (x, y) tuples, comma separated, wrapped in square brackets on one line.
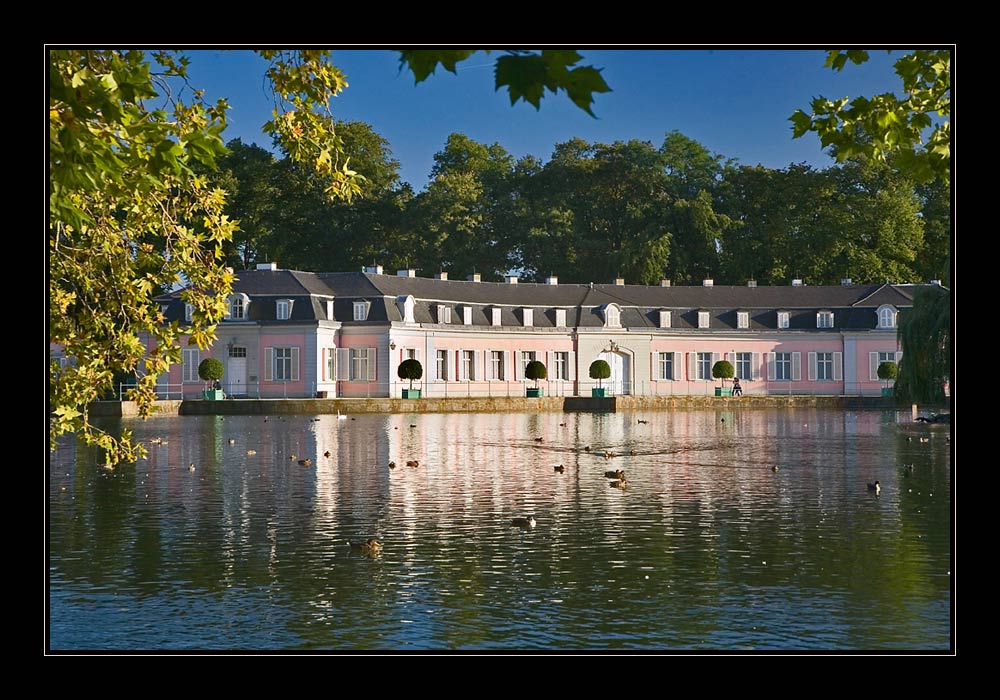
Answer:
[(441, 364), (331, 364), (495, 314), (467, 315), (824, 319), (665, 319), (529, 317), (526, 357), (783, 366), (743, 367), (236, 306), (666, 365), (284, 310), (703, 319), (360, 311), (705, 366), (359, 364), (561, 318), (742, 319), (824, 366), (496, 365), (444, 313), (282, 364), (562, 366), (782, 319), (468, 365), (188, 313)]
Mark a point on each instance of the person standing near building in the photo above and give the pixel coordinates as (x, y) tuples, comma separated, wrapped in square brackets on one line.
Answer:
[(737, 389)]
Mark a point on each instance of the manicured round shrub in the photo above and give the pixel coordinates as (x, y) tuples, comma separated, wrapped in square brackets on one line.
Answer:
[(410, 369)]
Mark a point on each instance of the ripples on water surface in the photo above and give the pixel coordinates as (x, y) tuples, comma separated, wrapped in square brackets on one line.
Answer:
[(707, 548)]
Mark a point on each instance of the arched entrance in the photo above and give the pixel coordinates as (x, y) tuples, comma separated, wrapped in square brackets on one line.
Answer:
[(619, 383)]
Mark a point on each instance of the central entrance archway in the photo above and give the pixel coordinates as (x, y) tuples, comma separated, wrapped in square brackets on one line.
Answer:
[(619, 383)]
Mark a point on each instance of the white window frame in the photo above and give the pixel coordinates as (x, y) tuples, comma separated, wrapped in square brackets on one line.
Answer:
[(560, 318), (665, 366), (560, 361), (704, 319), (283, 309), (467, 315), (612, 316), (443, 314), (745, 360), (824, 365), (361, 310), (362, 365), (237, 301), (742, 319), (467, 365), (188, 312), (441, 365), (529, 317), (496, 316), (495, 367), (783, 319), (665, 319), (330, 366), (824, 319), (191, 358), (782, 362), (283, 371), (704, 371), (887, 316)]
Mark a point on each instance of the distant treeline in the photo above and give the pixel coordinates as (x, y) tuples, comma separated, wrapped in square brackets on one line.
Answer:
[(592, 212)]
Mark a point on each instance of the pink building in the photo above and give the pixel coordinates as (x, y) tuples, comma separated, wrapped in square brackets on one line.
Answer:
[(303, 334)]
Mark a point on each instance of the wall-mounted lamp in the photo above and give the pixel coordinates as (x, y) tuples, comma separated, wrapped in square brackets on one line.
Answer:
[(392, 346)]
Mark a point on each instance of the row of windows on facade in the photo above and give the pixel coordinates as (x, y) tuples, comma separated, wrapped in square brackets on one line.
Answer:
[(237, 306), (281, 364)]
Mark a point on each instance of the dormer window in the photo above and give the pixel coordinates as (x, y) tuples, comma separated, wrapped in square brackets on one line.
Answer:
[(444, 313), (665, 319), (495, 316), (704, 319), (612, 316), (887, 316), (467, 315), (361, 311), (188, 312), (284, 309), (742, 319), (405, 305), (236, 307), (782, 319), (560, 318), (824, 319), (529, 317)]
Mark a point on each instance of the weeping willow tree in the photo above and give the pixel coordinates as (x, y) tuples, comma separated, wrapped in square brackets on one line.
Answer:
[(925, 337)]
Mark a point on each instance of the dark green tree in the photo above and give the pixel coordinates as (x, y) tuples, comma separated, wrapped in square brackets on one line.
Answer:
[(410, 369), (925, 339)]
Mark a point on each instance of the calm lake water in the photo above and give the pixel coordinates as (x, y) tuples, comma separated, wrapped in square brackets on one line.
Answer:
[(707, 549)]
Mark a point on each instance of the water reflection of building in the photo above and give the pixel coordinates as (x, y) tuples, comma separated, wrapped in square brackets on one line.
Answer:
[(292, 333)]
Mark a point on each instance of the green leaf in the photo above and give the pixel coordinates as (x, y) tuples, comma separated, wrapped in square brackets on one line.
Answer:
[(524, 77), (423, 63), (801, 123)]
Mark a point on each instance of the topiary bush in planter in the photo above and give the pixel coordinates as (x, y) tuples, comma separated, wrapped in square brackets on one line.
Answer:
[(887, 371), (410, 369), (599, 370), (723, 369), (211, 370), (535, 370)]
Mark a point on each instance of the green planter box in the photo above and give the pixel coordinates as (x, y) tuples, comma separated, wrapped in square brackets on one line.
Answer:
[(887, 391), (723, 391), (213, 395), (598, 393), (535, 393), (411, 393)]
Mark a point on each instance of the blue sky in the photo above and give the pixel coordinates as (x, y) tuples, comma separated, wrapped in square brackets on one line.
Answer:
[(735, 102)]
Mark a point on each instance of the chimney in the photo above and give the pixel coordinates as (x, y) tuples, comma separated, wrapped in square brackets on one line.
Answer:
[(408, 272), (620, 281), (752, 284), (511, 279), (708, 283), (664, 282), (474, 277), (846, 282), (268, 267), (441, 275), (797, 283), (372, 270), (552, 279)]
